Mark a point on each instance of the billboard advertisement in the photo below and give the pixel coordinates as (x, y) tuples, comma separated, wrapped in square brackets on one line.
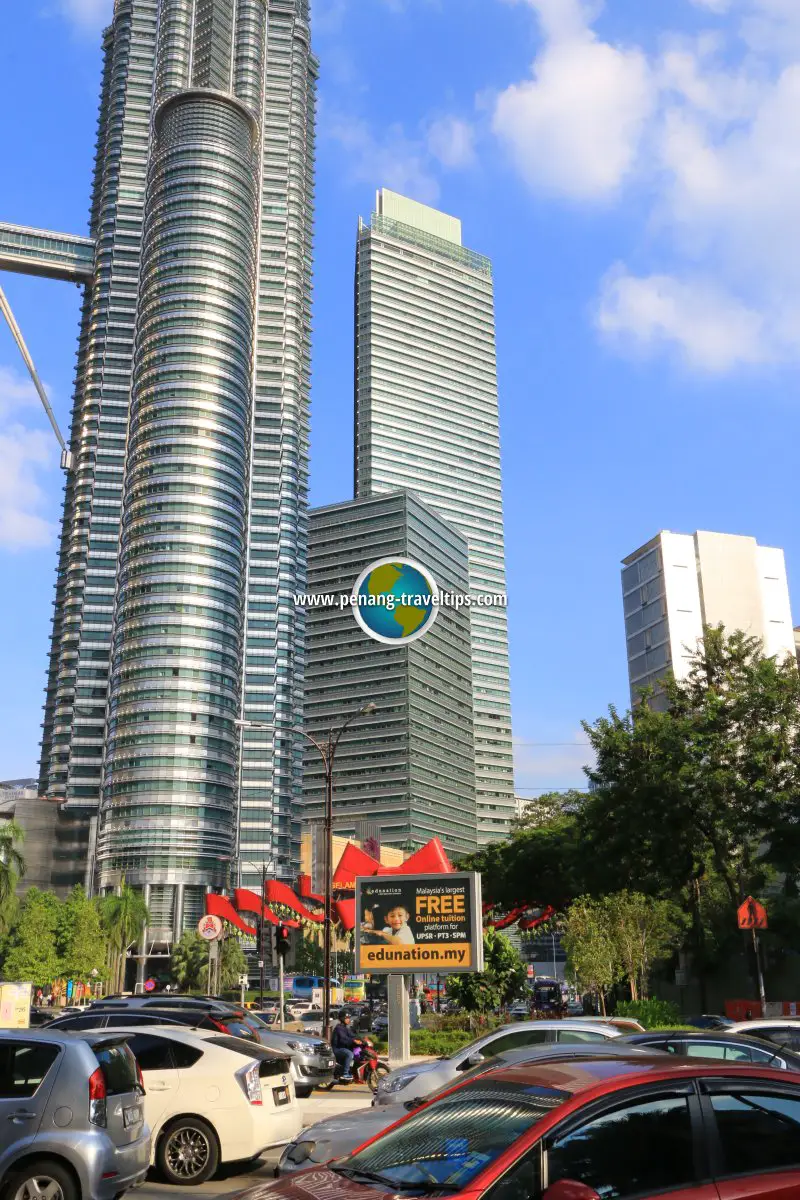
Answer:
[(411, 924)]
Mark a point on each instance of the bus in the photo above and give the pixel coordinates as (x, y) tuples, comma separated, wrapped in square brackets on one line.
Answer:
[(304, 986)]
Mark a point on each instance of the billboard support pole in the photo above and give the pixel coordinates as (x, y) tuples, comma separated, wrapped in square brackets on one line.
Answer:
[(399, 1021)]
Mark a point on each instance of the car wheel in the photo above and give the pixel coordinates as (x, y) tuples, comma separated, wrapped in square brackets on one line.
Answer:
[(303, 1093), (41, 1179), (188, 1152), (374, 1076)]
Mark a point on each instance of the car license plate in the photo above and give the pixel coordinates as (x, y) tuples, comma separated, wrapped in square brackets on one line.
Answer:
[(131, 1116), (280, 1095)]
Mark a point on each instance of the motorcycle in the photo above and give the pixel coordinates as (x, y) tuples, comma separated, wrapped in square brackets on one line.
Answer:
[(367, 1067)]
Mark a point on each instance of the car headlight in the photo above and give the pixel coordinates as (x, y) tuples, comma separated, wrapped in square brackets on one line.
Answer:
[(394, 1083)]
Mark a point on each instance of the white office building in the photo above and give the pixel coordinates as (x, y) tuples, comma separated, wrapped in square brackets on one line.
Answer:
[(427, 422), (680, 582)]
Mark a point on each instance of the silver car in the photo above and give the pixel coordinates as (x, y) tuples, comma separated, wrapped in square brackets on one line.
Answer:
[(311, 1059), (420, 1079), (336, 1136), (71, 1116)]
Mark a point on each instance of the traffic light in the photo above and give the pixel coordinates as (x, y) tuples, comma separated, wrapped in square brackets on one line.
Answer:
[(282, 940)]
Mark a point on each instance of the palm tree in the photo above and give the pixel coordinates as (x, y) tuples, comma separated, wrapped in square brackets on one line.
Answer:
[(124, 916), (12, 864)]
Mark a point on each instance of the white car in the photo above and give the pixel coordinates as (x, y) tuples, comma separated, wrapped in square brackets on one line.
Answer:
[(420, 1079), (782, 1031), (210, 1099)]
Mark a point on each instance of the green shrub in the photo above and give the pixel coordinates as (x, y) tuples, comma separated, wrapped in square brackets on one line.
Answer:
[(652, 1014), (433, 1045)]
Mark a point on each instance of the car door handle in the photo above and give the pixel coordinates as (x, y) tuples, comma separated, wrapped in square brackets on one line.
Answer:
[(22, 1116)]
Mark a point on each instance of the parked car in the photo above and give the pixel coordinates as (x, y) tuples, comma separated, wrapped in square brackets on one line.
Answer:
[(708, 1021), (311, 1059), (520, 1012), (336, 1136), (624, 1024), (310, 1023), (420, 1079), (221, 1014), (583, 1129), (211, 1099), (72, 1120), (729, 1047), (783, 1031)]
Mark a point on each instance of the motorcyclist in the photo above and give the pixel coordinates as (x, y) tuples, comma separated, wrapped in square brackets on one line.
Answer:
[(343, 1042)]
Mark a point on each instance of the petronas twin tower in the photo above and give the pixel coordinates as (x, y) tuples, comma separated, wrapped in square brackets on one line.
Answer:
[(174, 690), (175, 687)]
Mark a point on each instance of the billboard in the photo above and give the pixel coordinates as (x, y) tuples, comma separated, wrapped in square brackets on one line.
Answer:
[(411, 924), (15, 1005)]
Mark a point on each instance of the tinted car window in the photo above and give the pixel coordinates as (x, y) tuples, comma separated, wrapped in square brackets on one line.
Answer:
[(513, 1041), (119, 1068), (23, 1066), (695, 1049), (580, 1035), (641, 1147), (185, 1056), (152, 1053), (95, 1022), (758, 1131), (781, 1035)]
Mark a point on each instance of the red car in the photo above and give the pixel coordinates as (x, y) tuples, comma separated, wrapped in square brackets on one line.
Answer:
[(608, 1128)]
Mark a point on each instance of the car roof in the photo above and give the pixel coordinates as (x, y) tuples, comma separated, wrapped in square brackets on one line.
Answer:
[(732, 1036), (41, 1033), (578, 1075), (557, 1023), (790, 1021)]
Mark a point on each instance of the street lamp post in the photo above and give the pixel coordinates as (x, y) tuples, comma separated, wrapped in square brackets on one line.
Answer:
[(327, 750)]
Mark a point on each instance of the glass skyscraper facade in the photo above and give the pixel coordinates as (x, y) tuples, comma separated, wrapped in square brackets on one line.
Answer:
[(407, 770), (175, 680), (427, 421)]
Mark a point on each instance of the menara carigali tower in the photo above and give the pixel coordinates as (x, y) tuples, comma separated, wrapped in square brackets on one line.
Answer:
[(184, 528)]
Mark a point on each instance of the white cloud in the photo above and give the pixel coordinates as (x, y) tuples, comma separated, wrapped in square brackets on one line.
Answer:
[(452, 142), (713, 330), (707, 129), (88, 16), (24, 454), (393, 160)]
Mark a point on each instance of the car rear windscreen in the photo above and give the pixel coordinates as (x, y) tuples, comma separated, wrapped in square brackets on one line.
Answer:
[(118, 1066), (269, 1063)]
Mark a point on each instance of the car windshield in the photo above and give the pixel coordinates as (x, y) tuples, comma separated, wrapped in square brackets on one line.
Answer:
[(446, 1145)]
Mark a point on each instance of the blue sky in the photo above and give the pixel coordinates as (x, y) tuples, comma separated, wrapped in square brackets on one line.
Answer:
[(633, 169)]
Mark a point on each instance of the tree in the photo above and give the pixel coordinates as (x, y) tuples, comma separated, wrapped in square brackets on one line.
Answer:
[(309, 959), (501, 981), (190, 961), (232, 964), (81, 940), (124, 915), (12, 864), (542, 862), (592, 951), (700, 803), (644, 930), (32, 954)]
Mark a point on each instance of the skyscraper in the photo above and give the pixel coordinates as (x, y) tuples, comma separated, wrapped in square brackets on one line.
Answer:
[(427, 421), (677, 583), (408, 769), (176, 665)]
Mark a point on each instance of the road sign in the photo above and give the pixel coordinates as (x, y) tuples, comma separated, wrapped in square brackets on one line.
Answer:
[(243, 980), (752, 915), (209, 927), (149, 985)]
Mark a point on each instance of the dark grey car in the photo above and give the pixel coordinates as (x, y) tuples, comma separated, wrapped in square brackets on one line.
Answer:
[(71, 1116)]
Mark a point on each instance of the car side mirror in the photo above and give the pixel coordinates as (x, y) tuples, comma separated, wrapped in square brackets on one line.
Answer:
[(472, 1061), (570, 1189)]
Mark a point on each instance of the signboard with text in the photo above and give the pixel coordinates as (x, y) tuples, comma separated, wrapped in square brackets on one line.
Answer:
[(411, 924), (15, 1006)]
